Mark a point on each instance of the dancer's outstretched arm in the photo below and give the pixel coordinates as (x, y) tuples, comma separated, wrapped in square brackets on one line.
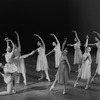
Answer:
[(97, 33), (68, 63), (18, 40), (86, 43), (63, 45), (27, 55), (76, 35), (55, 38), (40, 39), (50, 52)]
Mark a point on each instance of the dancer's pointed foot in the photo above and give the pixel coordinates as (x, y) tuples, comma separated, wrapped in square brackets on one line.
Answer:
[(92, 79), (51, 88), (75, 84), (25, 82), (64, 92), (48, 79), (86, 87), (40, 78)]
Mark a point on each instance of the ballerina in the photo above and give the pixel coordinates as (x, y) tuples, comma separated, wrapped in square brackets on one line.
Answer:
[(78, 52), (97, 44), (85, 70), (21, 63), (62, 72), (9, 77), (57, 51), (42, 64), (9, 70)]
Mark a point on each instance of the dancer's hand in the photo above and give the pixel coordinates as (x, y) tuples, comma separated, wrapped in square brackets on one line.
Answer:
[(15, 32), (6, 39), (51, 34)]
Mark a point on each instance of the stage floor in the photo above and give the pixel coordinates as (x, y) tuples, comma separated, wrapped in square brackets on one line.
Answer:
[(39, 90)]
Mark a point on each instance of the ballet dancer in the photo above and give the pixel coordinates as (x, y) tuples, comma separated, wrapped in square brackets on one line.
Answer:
[(78, 52), (21, 63), (9, 77), (97, 44), (85, 70), (57, 50), (62, 72), (42, 64)]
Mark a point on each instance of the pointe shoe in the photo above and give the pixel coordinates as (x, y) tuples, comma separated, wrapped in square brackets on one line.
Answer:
[(92, 79), (75, 84), (13, 91), (51, 88), (25, 83), (64, 92), (40, 78), (48, 79), (86, 87)]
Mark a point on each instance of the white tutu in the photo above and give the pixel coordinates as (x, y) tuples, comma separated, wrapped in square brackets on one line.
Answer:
[(42, 63), (85, 70)]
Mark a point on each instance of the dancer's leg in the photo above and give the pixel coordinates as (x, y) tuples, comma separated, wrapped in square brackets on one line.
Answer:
[(54, 83), (47, 75), (87, 83), (24, 77), (93, 77), (41, 72), (9, 89), (76, 82)]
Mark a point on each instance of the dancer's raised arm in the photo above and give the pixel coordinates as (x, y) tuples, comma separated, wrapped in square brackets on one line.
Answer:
[(63, 45), (40, 39), (18, 40), (27, 55), (76, 35), (55, 38), (86, 43), (97, 33), (12, 45)]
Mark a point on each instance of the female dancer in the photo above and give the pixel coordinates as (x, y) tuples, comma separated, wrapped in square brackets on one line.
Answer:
[(21, 64), (97, 56), (42, 64), (78, 52), (9, 77), (62, 72), (56, 50), (9, 71), (85, 70)]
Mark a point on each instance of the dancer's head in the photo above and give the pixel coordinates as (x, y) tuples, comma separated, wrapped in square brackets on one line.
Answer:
[(39, 43), (88, 49), (54, 43), (15, 46), (75, 39), (8, 49), (65, 51), (96, 39)]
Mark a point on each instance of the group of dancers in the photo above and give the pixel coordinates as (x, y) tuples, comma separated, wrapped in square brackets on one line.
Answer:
[(15, 62)]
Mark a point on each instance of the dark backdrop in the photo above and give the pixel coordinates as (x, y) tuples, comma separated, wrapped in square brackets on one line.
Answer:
[(48, 16)]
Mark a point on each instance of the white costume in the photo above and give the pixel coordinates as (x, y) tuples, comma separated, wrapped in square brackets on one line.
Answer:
[(20, 61), (42, 63), (57, 55), (77, 54), (85, 70), (98, 58)]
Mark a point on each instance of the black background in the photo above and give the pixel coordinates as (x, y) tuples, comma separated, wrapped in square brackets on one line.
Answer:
[(48, 16)]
